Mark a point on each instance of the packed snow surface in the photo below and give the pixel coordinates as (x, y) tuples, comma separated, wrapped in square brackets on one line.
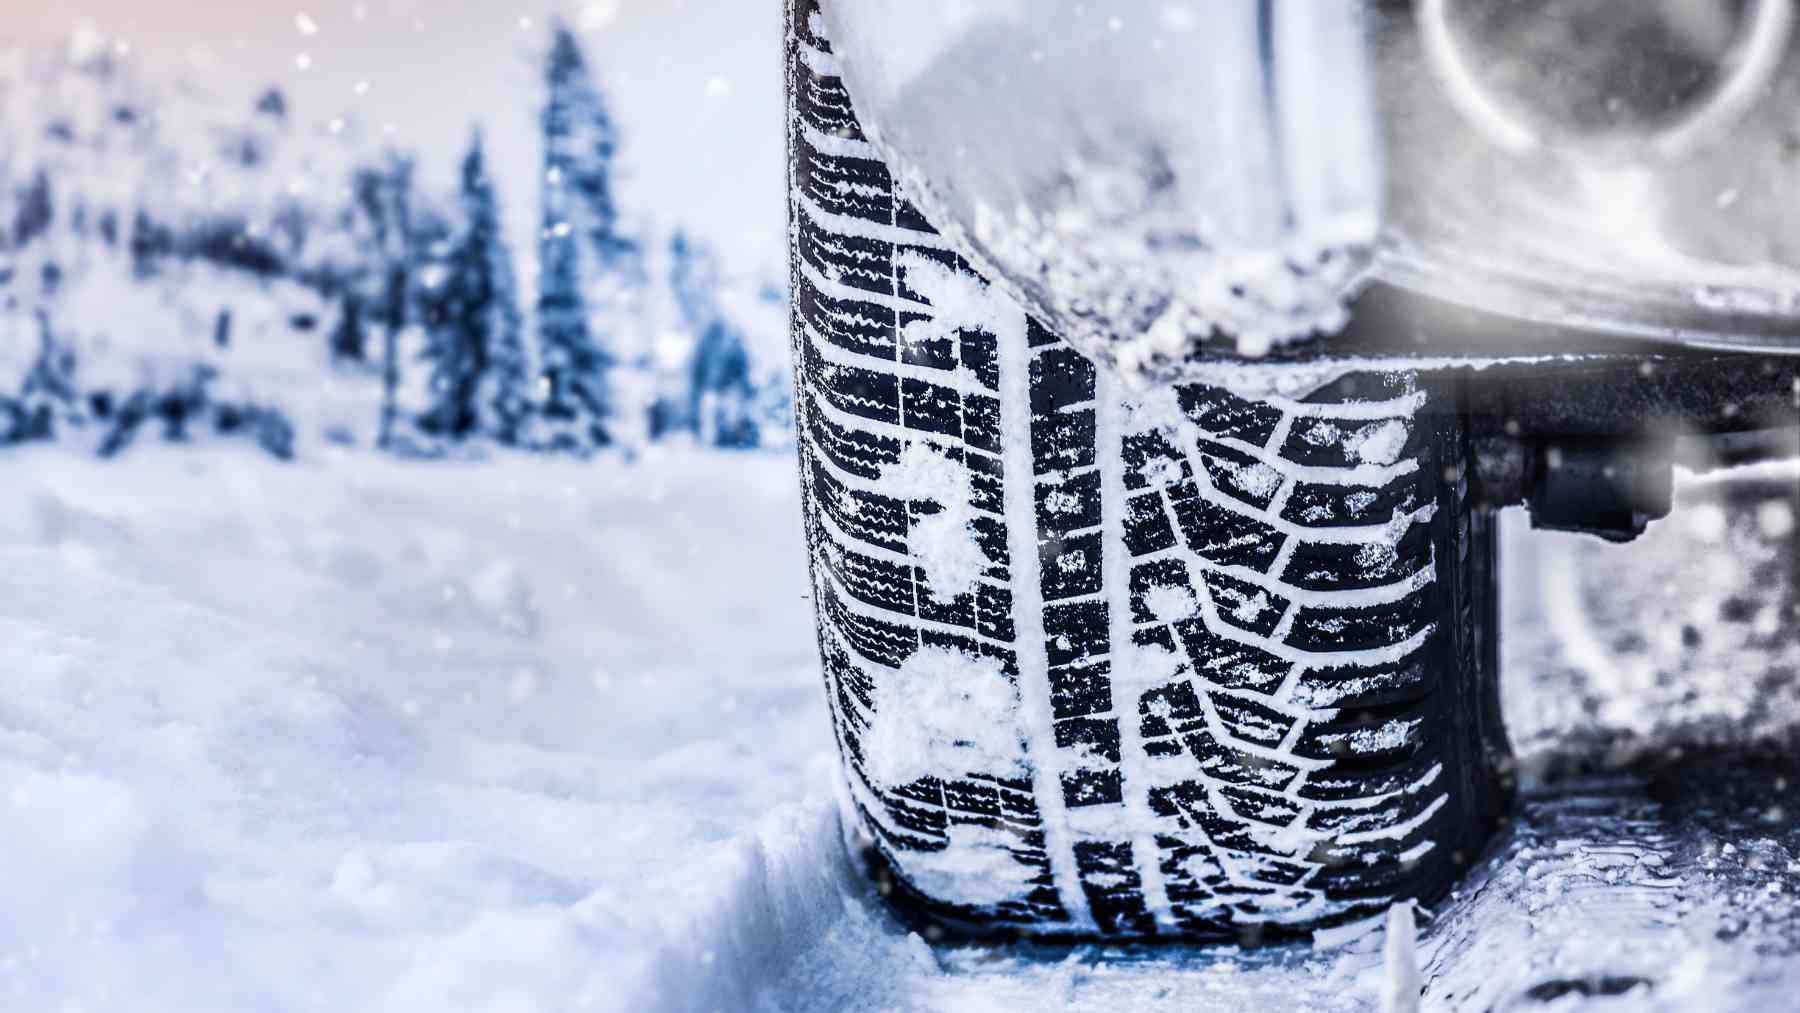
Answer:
[(357, 735), (521, 734)]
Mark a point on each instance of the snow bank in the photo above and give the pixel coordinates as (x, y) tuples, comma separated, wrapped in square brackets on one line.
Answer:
[(768, 897), (360, 735)]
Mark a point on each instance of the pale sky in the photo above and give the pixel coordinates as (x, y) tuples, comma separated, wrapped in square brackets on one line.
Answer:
[(695, 84)]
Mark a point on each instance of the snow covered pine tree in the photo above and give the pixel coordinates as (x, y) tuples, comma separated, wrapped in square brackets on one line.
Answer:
[(585, 263), (480, 379), (503, 399), (384, 200), (720, 403), (1165, 664)]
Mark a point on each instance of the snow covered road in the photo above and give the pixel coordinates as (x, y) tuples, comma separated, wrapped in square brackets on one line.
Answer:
[(532, 734), (358, 735)]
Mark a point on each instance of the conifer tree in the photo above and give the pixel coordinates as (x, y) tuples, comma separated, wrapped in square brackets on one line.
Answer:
[(479, 377), (503, 397), (722, 399), (720, 406), (384, 200), (48, 395), (348, 336), (587, 266), (34, 211)]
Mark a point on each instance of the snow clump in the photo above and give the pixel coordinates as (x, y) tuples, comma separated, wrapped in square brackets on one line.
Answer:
[(943, 541), (946, 714), (976, 868)]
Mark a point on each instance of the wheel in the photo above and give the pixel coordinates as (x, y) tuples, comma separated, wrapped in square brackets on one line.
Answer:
[(1121, 664)]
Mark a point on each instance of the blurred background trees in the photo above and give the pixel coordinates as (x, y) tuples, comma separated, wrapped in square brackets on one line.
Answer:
[(174, 265)]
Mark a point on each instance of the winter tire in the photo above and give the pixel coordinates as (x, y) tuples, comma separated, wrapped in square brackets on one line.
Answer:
[(1109, 664)]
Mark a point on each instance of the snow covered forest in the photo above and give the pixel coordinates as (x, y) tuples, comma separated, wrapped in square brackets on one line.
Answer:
[(179, 265)]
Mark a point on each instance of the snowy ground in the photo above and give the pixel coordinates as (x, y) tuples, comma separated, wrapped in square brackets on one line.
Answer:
[(538, 735)]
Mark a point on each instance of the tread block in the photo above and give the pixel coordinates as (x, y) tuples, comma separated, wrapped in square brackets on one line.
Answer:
[(1060, 378), (908, 216), (1250, 721), (1226, 763), (1328, 630), (1359, 387), (1401, 682), (875, 582), (867, 393), (930, 408), (825, 105), (1097, 738), (1227, 663), (981, 423), (870, 517), (1331, 506), (858, 452), (1069, 505), (990, 537), (1152, 461), (1266, 809), (1147, 527), (980, 355), (1363, 818), (1349, 443), (1244, 605), (1348, 785), (885, 643), (1225, 536), (1090, 786), (1115, 894), (1076, 631), (1062, 441), (853, 187), (1168, 707), (993, 611), (863, 328), (859, 262), (1162, 584), (901, 271), (1375, 736), (1070, 565), (925, 348), (1317, 566), (1239, 475), (1221, 413), (1080, 690)]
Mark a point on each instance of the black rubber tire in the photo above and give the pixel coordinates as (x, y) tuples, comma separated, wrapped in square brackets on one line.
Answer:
[(1328, 738)]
